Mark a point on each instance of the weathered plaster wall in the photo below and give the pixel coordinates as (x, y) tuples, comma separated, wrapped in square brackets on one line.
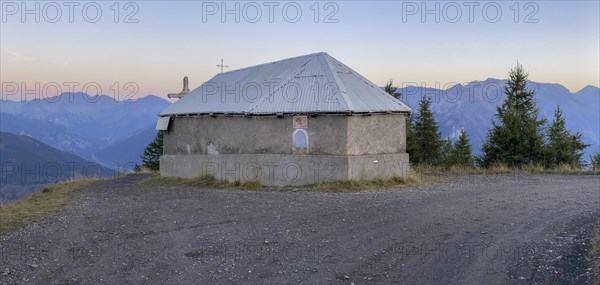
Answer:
[(237, 135), (376, 134), (327, 135)]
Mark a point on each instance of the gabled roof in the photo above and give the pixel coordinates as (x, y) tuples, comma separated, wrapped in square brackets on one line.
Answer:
[(314, 83)]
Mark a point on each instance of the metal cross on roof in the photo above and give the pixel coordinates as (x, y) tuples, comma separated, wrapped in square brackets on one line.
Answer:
[(221, 65)]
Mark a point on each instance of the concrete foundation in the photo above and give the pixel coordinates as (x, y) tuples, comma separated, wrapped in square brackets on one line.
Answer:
[(285, 169)]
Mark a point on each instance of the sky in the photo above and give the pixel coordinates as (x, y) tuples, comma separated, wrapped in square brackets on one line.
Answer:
[(132, 49)]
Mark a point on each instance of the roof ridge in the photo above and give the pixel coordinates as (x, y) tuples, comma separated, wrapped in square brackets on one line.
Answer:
[(338, 82), (367, 81)]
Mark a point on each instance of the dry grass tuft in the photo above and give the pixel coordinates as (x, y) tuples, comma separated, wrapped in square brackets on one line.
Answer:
[(37, 206), (207, 181), (414, 179), (253, 186), (204, 181), (500, 168), (144, 169)]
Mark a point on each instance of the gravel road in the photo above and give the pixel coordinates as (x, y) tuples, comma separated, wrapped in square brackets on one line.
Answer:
[(471, 230)]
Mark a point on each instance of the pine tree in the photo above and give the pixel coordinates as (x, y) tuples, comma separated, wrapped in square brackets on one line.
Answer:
[(152, 153), (595, 160), (577, 147), (392, 90), (461, 152), (564, 147), (446, 151), (427, 136), (516, 137)]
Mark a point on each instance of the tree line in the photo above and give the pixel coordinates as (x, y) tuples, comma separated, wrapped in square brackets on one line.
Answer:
[(518, 136)]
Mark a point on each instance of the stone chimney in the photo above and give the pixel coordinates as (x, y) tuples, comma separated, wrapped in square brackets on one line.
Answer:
[(186, 90)]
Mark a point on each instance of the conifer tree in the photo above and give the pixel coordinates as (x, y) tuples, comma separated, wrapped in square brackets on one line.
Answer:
[(446, 153), (411, 141), (595, 160), (152, 153), (391, 89), (461, 152), (563, 147), (516, 137), (427, 136)]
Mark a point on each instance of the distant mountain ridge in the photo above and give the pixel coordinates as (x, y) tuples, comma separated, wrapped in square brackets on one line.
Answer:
[(473, 106), (82, 124), (127, 152), (27, 163)]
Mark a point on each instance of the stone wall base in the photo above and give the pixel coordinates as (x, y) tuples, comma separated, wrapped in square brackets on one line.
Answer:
[(285, 169)]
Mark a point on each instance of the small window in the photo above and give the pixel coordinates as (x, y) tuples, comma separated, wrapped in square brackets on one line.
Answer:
[(300, 139)]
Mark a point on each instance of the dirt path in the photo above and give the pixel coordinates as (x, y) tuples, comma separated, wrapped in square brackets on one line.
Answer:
[(474, 230)]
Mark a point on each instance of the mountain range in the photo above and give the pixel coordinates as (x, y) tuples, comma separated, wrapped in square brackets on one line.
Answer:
[(114, 133), (27, 164), (88, 126)]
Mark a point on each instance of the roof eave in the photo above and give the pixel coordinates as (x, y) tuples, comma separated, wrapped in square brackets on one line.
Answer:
[(227, 114)]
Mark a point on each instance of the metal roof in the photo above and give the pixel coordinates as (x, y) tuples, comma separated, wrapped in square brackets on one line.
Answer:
[(314, 83)]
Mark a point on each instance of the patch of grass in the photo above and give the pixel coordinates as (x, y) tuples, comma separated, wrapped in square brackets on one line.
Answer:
[(460, 170), (500, 169), (533, 169), (204, 181), (356, 185), (253, 186), (143, 169), (565, 169), (37, 206), (373, 184), (207, 181), (570, 170)]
